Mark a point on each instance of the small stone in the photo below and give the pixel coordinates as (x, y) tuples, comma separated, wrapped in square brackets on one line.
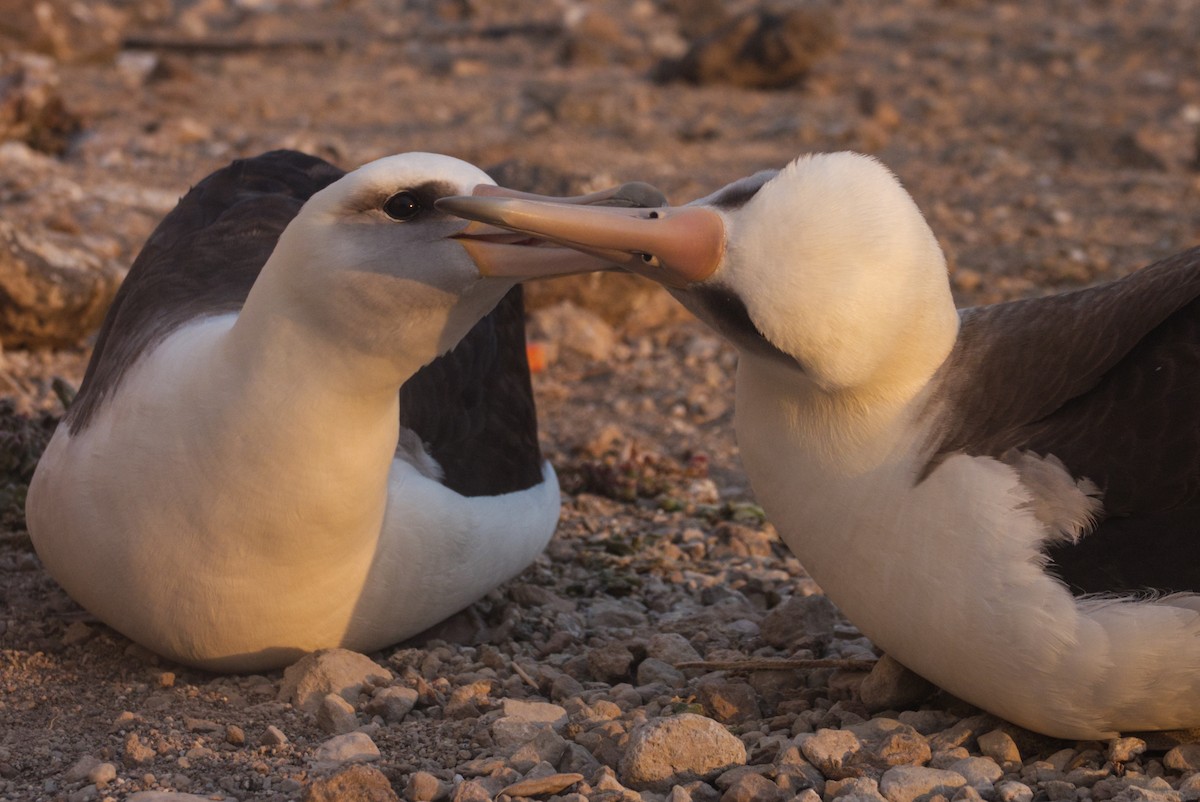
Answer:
[(135, 752), (201, 725), (422, 787), (166, 679), (761, 49), (979, 772), (652, 670), (895, 743), (728, 702), (752, 787), (799, 619), (471, 791), (575, 329), (671, 751), (80, 769), (1058, 790), (340, 671), (77, 633), (856, 788), (522, 721), (891, 686), (336, 715), (542, 786), (962, 732), (671, 648), (835, 753), (1184, 758), (235, 735), (1123, 750), (392, 703), (353, 747), (51, 293), (273, 736), (948, 757), (1189, 789), (353, 784), (615, 613), (909, 783), (968, 794), (102, 774), (1000, 747), (166, 796), (611, 663), (1013, 791), (546, 747)]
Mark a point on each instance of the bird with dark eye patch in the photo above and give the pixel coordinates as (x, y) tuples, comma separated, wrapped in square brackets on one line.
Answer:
[(307, 422), (1005, 499)]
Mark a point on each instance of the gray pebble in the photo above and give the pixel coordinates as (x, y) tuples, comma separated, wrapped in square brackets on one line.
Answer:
[(909, 783), (979, 772), (392, 703), (652, 670)]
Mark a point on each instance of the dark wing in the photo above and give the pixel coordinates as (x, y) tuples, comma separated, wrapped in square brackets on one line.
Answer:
[(202, 259), (1107, 379), (473, 407)]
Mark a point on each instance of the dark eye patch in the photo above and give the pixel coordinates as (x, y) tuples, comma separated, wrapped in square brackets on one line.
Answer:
[(403, 206)]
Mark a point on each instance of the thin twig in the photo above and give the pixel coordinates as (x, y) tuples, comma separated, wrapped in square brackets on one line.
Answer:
[(218, 45), (777, 664), (524, 675)]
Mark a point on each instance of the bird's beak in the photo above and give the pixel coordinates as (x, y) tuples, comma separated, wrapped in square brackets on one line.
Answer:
[(502, 252), (676, 246)]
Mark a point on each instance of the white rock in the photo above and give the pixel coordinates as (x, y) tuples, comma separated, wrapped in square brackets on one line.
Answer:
[(523, 721), (1012, 791), (677, 750), (979, 772), (829, 750), (353, 747), (909, 783), (340, 671)]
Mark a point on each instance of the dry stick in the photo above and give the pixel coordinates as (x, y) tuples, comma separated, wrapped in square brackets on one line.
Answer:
[(520, 672), (777, 664), (219, 46)]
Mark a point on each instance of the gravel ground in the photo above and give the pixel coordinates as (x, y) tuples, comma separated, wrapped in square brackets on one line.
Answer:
[(1050, 146)]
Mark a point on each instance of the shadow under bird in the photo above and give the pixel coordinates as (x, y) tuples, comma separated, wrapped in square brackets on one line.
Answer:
[(1005, 498), (308, 419)]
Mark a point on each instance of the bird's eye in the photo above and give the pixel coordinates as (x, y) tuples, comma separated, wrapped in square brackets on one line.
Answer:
[(403, 206)]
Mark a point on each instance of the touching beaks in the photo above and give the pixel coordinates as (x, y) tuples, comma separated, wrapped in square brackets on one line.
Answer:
[(499, 252), (676, 246)]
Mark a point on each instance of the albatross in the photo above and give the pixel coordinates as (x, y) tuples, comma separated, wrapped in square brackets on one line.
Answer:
[(307, 421), (1006, 499)]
